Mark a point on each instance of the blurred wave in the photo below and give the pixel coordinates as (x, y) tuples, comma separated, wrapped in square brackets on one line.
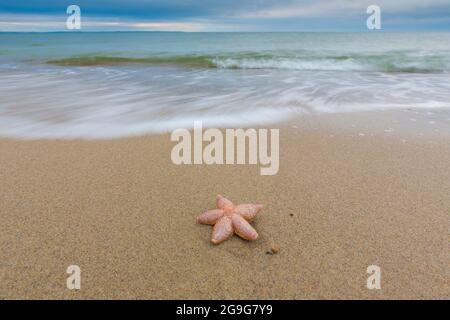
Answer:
[(395, 61)]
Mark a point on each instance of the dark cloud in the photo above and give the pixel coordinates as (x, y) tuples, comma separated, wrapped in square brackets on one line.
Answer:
[(141, 8)]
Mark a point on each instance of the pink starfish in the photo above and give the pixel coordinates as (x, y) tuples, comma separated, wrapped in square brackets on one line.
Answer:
[(228, 218)]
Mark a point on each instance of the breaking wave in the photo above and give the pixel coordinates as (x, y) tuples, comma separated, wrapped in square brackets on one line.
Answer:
[(396, 61)]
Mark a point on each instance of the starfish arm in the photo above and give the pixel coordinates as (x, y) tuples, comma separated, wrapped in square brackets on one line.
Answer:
[(222, 230), (210, 216), (243, 229), (248, 211), (223, 202)]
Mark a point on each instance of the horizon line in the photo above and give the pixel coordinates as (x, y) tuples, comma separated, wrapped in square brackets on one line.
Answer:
[(180, 31)]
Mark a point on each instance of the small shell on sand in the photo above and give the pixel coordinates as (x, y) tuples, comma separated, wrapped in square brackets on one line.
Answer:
[(274, 249)]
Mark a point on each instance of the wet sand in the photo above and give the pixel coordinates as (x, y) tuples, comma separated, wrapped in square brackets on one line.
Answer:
[(126, 215)]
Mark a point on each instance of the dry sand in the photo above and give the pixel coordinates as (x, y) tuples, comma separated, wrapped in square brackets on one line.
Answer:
[(126, 215)]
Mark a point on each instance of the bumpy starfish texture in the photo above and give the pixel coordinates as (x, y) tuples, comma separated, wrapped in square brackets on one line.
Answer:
[(228, 219)]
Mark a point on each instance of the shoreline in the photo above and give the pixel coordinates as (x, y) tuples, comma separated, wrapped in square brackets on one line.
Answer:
[(416, 123), (126, 215)]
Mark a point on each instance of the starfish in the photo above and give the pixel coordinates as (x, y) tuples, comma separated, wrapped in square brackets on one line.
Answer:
[(228, 218)]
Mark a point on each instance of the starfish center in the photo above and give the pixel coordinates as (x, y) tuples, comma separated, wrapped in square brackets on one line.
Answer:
[(228, 211)]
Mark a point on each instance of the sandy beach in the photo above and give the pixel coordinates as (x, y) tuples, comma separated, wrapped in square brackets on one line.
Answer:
[(341, 201)]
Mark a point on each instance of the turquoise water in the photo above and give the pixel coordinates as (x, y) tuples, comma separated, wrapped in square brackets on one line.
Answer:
[(113, 84), (408, 52)]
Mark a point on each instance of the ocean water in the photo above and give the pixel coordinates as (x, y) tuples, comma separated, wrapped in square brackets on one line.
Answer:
[(103, 85)]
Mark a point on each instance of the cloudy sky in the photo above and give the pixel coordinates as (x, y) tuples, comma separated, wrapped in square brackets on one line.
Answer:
[(225, 15)]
